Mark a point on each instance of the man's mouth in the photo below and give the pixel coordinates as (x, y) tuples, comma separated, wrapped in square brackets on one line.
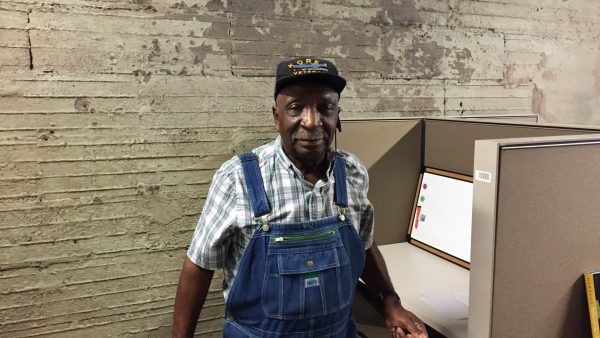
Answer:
[(307, 138), (309, 142)]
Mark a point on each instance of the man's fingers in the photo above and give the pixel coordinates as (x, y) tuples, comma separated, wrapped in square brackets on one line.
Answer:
[(415, 329), (411, 325), (418, 324), (406, 325), (398, 332)]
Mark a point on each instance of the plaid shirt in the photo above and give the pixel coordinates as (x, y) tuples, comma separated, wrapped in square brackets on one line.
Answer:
[(226, 223)]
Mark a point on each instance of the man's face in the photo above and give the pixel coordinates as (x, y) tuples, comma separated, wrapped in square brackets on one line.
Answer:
[(306, 115)]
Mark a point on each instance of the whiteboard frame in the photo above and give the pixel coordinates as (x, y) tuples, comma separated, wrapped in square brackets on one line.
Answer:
[(422, 245)]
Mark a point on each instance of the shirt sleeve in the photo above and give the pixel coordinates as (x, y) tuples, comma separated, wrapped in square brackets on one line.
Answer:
[(212, 238)]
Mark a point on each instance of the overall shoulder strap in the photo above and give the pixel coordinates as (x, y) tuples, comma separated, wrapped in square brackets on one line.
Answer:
[(254, 184), (339, 172)]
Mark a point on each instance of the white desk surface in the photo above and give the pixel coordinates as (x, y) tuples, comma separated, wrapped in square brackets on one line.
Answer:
[(416, 272)]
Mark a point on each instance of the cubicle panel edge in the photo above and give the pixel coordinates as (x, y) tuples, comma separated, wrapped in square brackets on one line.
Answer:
[(483, 239)]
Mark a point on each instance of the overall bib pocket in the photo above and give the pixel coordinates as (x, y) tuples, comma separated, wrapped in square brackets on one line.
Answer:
[(306, 276)]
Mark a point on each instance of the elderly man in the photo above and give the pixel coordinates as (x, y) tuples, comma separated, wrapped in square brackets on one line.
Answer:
[(291, 226)]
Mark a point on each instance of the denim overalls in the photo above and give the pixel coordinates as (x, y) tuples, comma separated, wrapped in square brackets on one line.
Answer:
[(295, 279)]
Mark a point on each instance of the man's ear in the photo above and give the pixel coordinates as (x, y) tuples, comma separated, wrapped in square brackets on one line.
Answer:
[(339, 122), (276, 117)]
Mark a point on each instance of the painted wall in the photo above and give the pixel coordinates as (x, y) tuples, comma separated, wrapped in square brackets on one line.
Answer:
[(115, 114)]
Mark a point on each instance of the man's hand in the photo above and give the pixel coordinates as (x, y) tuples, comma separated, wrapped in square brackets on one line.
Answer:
[(402, 323)]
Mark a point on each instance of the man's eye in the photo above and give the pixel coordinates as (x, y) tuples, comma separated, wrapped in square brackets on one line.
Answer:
[(294, 108), (327, 110)]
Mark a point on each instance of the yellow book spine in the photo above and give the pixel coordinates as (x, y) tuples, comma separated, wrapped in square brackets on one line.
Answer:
[(592, 303)]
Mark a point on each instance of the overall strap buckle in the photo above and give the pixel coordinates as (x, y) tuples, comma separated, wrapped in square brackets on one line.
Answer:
[(263, 221), (341, 212)]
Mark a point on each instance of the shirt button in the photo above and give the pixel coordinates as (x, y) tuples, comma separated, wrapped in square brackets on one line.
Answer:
[(265, 227), (310, 264)]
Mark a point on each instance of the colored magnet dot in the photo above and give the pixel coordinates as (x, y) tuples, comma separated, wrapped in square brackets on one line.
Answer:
[(422, 199), (424, 185)]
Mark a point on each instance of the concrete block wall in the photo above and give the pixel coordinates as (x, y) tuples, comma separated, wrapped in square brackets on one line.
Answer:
[(115, 114)]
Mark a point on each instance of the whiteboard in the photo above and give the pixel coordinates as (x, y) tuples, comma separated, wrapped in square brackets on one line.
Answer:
[(443, 213)]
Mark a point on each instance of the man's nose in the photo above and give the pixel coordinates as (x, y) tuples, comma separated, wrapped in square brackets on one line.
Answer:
[(311, 118)]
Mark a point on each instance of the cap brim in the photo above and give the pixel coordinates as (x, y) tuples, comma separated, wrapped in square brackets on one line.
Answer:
[(336, 82)]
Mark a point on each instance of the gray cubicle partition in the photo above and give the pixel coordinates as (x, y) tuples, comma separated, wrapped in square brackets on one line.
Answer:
[(391, 150), (395, 152), (536, 231)]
